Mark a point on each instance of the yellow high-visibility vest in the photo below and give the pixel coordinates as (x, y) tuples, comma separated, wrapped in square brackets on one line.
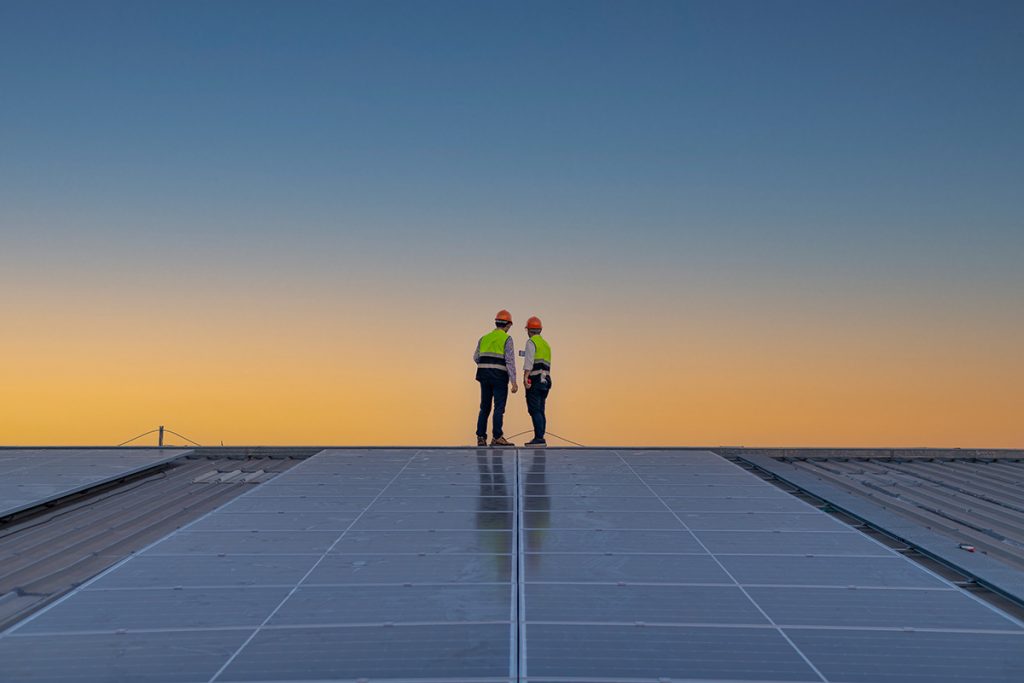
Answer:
[(541, 358), (492, 351)]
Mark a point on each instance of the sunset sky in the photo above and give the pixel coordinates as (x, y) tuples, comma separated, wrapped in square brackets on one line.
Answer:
[(743, 223)]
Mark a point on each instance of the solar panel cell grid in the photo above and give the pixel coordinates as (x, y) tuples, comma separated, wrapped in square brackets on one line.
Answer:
[(650, 653), (155, 571), (898, 657), (154, 657)]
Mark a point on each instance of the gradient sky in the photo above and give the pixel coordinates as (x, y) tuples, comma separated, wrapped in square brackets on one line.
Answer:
[(743, 223)]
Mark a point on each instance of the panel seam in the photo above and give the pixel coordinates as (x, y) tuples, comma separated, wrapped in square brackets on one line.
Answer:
[(520, 504)]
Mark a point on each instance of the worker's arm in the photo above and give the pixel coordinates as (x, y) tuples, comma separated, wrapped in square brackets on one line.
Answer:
[(476, 352), (510, 363), (531, 352)]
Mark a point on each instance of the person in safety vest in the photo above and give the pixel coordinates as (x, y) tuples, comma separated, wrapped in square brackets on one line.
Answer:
[(537, 379), (495, 368)]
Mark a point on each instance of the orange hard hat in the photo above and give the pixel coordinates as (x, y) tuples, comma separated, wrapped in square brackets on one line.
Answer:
[(534, 323), (503, 316)]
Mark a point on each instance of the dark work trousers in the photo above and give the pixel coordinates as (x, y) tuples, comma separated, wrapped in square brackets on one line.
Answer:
[(498, 392), (535, 400)]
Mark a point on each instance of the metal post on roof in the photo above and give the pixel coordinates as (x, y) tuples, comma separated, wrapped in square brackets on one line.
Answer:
[(160, 440)]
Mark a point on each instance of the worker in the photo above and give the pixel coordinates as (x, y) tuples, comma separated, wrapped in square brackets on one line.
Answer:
[(495, 368), (537, 379)]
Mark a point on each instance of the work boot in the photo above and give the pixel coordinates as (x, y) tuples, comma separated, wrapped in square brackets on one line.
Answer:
[(536, 443), (501, 441), (481, 441)]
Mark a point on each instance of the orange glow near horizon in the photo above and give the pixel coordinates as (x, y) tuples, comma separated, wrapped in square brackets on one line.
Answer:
[(281, 372)]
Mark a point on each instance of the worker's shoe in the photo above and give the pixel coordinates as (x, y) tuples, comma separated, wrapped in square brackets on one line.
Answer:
[(501, 441), (536, 443), (481, 441)]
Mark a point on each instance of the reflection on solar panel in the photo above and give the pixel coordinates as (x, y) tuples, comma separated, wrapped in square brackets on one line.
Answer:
[(467, 565), (31, 477)]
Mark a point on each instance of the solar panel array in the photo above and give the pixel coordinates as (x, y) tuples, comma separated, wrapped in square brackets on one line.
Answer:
[(659, 566), (353, 564), (34, 476), (489, 565)]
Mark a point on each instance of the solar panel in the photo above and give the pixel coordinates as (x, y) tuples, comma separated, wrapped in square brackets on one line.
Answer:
[(539, 566), (747, 583), (30, 477), (886, 656), (332, 570)]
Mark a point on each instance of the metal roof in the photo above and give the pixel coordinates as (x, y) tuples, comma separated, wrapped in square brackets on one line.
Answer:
[(517, 565)]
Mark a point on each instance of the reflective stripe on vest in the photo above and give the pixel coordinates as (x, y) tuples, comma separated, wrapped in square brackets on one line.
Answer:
[(541, 356), (492, 351)]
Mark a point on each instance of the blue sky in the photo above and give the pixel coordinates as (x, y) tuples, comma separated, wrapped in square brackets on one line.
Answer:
[(803, 110), (719, 127), (736, 132)]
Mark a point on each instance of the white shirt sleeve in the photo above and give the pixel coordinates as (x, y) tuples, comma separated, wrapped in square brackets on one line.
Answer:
[(531, 352)]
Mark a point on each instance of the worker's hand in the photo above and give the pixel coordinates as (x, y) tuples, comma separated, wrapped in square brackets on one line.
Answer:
[(527, 382), (515, 387)]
